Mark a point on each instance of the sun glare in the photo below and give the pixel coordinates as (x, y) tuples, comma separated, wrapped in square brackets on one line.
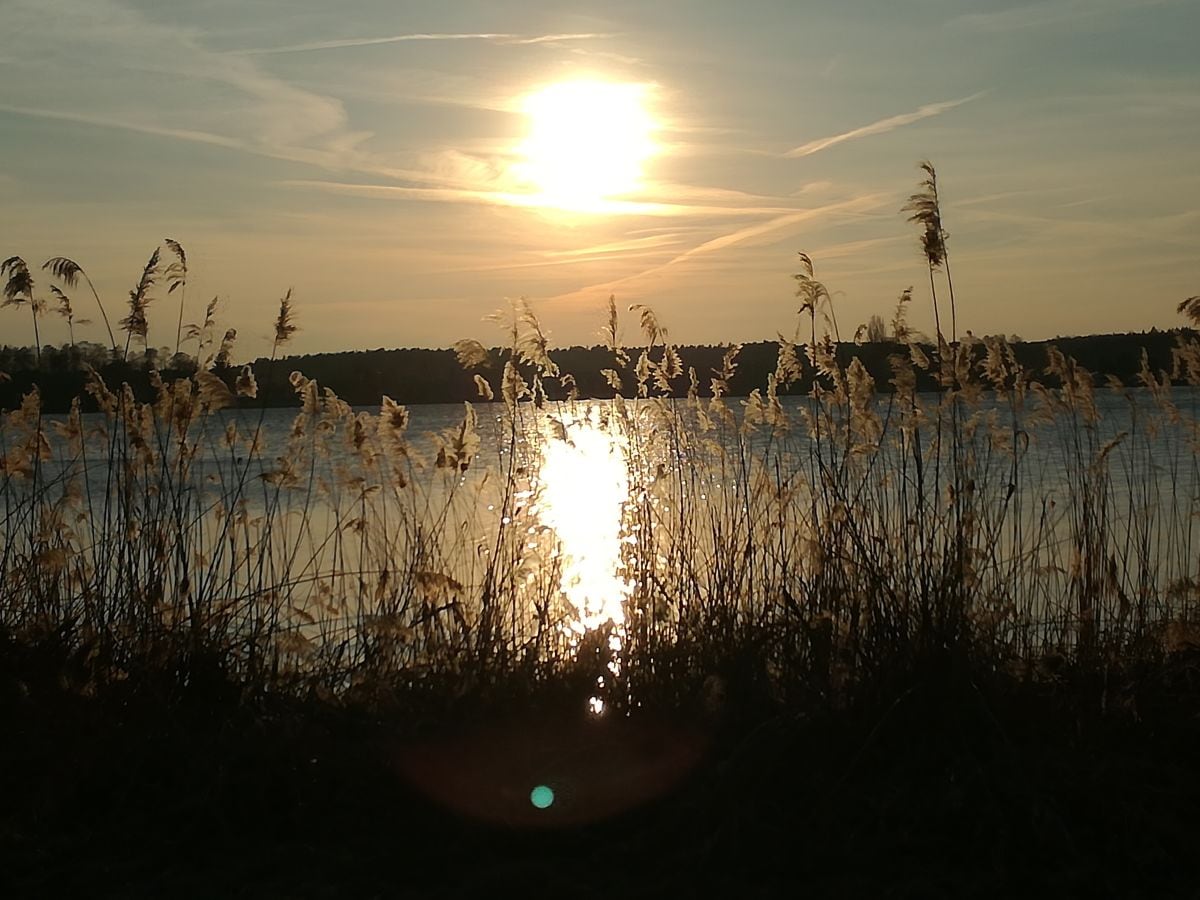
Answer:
[(587, 143), (584, 489), (585, 485)]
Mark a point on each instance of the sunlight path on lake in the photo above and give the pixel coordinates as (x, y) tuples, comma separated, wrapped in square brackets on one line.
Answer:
[(584, 488)]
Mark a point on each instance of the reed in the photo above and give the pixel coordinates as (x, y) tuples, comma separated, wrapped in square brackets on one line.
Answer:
[(69, 272), (810, 545), (18, 290)]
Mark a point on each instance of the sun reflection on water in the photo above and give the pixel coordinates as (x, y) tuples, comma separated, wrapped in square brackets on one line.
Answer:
[(584, 486)]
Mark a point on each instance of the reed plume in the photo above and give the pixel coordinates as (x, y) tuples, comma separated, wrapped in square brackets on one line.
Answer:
[(135, 324), (925, 206), (69, 272), (221, 360), (67, 311), (284, 326), (176, 278), (1190, 308), (471, 354), (18, 290), (814, 297), (611, 333)]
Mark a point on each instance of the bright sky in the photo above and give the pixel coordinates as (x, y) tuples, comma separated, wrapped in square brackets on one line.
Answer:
[(402, 167)]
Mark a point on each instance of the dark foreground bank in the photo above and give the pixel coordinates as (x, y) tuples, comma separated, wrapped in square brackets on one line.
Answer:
[(956, 784)]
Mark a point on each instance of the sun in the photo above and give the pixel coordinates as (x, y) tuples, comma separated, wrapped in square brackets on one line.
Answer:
[(587, 143)]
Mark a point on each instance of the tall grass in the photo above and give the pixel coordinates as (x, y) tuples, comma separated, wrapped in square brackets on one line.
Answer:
[(808, 543)]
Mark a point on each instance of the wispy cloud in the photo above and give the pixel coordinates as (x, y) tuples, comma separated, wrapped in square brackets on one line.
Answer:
[(855, 249), (742, 235), (565, 261), (1171, 228), (881, 127), (78, 118), (632, 244), (667, 191), (484, 195), (1055, 12), (490, 37), (102, 62), (329, 157), (990, 199), (747, 235)]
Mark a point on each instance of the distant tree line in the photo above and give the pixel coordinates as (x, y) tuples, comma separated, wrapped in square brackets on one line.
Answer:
[(415, 376)]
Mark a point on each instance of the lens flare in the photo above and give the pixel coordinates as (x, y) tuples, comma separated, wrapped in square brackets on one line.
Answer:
[(542, 796)]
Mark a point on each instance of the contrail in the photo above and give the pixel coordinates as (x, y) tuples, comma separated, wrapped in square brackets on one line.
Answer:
[(882, 126)]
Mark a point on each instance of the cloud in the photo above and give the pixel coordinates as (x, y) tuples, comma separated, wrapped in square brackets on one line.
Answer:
[(183, 134), (708, 195), (748, 234), (620, 247), (743, 235), (1043, 15), (549, 263), (1172, 229), (632, 247), (855, 249), (103, 63), (511, 198), (490, 37), (328, 157), (881, 127), (106, 64)]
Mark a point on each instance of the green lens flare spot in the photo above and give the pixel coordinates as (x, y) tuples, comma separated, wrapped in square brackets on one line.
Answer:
[(541, 796)]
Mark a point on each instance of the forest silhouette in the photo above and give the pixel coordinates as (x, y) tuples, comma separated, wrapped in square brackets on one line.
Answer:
[(417, 375)]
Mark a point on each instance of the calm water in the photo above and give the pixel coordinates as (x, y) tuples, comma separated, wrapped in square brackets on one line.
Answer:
[(1048, 458), (1154, 463)]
